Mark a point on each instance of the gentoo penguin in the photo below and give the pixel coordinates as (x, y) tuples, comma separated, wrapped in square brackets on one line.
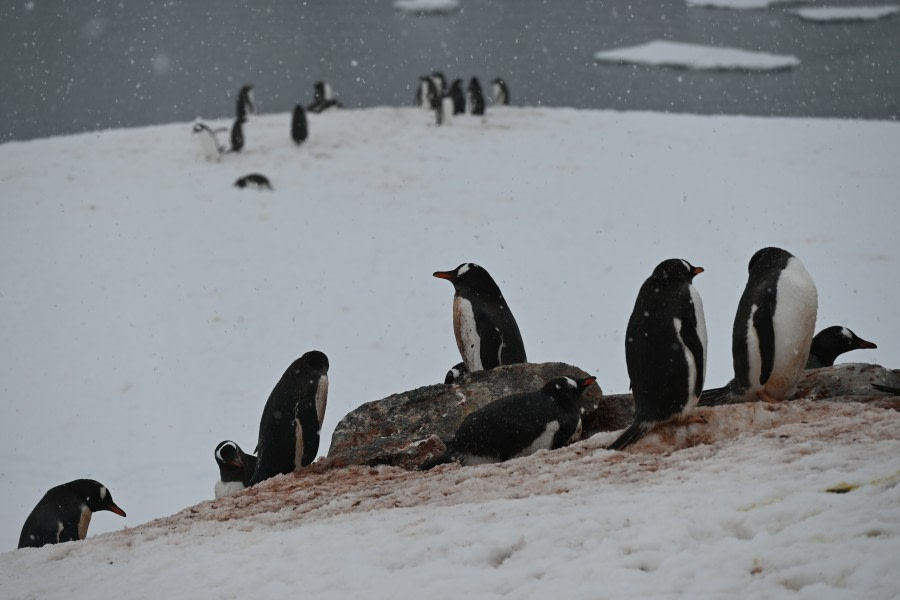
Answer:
[(291, 421), (665, 348), (455, 372), (518, 425), (64, 513), (235, 468), (830, 343), (245, 106), (323, 97), (475, 97), (299, 127), (501, 92), (237, 134), (255, 180), (457, 96), (426, 93), (209, 139), (486, 331), (773, 330), (440, 83)]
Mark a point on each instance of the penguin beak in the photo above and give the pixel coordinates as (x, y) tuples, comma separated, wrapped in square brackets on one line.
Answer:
[(237, 462), (116, 509), (584, 383), (448, 275), (697, 271), (862, 344)]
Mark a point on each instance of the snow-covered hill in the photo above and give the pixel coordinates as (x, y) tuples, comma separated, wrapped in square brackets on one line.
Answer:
[(149, 307)]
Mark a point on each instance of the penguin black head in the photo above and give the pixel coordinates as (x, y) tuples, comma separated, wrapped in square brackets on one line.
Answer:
[(768, 258), (312, 360), (561, 388), (455, 372), (228, 456), (676, 269), (469, 276), (833, 341), (95, 495)]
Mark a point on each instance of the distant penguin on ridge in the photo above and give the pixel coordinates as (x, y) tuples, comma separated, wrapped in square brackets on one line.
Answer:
[(64, 513), (253, 180), (475, 97), (773, 330), (501, 92), (245, 106), (235, 468), (486, 332), (518, 425), (292, 418), (665, 349), (299, 127), (323, 98), (830, 343)]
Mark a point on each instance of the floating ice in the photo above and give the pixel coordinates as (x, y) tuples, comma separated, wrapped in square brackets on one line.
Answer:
[(663, 53)]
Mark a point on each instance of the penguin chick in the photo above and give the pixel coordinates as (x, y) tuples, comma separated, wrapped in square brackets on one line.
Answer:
[(64, 513), (665, 349), (830, 343), (518, 425), (486, 331)]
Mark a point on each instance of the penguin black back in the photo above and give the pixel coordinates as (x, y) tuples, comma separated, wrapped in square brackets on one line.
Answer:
[(257, 180), (475, 97), (830, 343), (235, 468), (245, 105), (458, 96), (486, 332), (64, 513), (665, 348), (290, 424), (299, 127), (518, 425)]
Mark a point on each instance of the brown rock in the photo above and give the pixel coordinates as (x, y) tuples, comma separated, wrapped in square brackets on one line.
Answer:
[(849, 382)]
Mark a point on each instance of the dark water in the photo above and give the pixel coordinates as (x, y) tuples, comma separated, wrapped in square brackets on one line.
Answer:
[(86, 64)]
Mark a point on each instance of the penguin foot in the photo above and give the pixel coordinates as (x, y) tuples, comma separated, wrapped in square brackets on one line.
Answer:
[(766, 397)]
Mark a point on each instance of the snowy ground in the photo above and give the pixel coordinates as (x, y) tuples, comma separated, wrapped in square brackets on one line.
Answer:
[(149, 308), (665, 53), (829, 14)]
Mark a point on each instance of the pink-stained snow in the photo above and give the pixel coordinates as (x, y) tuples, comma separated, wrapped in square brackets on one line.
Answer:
[(846, 13), (665, 53), (149, 307)]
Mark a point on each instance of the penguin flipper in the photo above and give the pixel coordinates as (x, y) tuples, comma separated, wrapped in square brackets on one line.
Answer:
[(764, 324), (635, 431), (886, 388), (691, 340)]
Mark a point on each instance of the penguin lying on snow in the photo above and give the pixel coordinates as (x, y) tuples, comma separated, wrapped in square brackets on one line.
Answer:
[(64, 513), (486, 331), (773, 330), (665, 349), (257, 180), (235, 468), (518, 425), (292, 419), (830, 343)]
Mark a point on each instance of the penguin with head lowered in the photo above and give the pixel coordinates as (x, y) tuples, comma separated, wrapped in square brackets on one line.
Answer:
[(64, 513), (830, 343), (235, 468), (292, 419), (518, 425), (486, 331), (665, 349), (773, 330)]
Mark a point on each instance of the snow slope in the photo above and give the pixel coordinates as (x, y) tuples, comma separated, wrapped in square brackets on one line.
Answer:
[(149, 307)]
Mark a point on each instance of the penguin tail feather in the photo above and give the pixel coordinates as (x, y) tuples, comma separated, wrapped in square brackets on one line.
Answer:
[(716, 396), (635, 431)]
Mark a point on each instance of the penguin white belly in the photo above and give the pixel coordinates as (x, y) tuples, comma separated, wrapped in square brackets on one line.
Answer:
[(467, 339), (543, 441), (691, 362), (228, 488), (210, 145), (794, 323), (447, 108)]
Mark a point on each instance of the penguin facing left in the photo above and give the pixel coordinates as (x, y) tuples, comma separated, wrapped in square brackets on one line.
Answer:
[(518, 425), (64, 513), (486, 332), (773, 330), (237, 134), (665, 349), (475, 97), (501, 92), (830, 343), (299, 127), (292, 418), (235, 468), (245, 106)]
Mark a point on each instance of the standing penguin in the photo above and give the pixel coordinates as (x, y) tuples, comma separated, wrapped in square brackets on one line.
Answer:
[(209, 139), (665, 349), (475, 97), (426, 93), (291, 421), (64, 513), (245, 106), (518, 425), (237, 134), (299, 127), (773, 330), (323, 97), (830, 343), (501, 92), (486, 331), (235, 468), (457, 97), (440, 83)]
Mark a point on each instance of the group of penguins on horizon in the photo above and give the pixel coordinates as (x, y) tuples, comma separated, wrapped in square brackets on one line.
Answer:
[(665, 353), (432, 93)]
